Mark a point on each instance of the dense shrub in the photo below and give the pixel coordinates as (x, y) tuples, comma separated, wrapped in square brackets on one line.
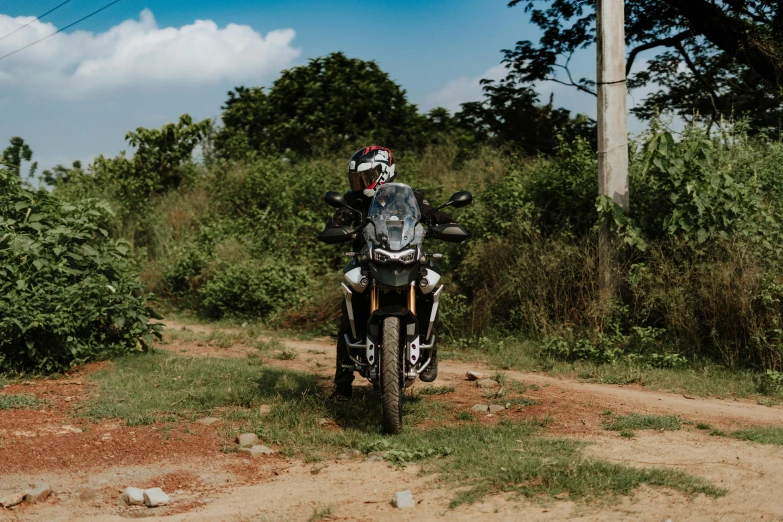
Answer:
[(67, 292), (254, 289)]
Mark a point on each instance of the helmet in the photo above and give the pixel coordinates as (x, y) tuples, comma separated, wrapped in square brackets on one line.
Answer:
[(370, 167)]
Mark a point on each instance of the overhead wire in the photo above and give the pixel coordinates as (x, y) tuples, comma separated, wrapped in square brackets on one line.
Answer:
[(60, 30), (53, 9)]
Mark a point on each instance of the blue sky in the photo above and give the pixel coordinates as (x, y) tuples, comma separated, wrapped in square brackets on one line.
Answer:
[(145, 62)]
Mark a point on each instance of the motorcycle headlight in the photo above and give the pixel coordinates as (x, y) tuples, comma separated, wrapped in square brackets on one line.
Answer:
[(405, 257)]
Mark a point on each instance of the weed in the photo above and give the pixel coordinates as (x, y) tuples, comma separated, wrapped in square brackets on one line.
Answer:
[(517, 401), (286, 354), (703, 426), (320, 512), (637, 421), (436, 390), (765, 435), (465, 416), (13, 402), (627, 434), (266, 345), (717, 432)]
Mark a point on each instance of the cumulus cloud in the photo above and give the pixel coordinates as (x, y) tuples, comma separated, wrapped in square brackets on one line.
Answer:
[(139, 53), (463, 89)]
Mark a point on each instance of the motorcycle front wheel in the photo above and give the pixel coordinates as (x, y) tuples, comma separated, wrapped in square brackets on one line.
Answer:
[(391, 376)]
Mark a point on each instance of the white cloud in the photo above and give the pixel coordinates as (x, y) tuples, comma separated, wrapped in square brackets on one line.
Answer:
[(463, 89), (139, 53)]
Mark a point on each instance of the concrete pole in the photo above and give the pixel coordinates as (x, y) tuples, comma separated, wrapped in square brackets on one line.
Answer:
[(612, 126)]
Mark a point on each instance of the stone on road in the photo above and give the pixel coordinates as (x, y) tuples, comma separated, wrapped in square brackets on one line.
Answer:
[(155, 497), (487, 383), (257, 451), (403, 499), (40, 491), (133, 496), (12, 500), (246, 440), (474, 376)]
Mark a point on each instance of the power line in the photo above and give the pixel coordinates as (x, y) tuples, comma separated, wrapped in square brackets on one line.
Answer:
[(60, 30), (34, 20)]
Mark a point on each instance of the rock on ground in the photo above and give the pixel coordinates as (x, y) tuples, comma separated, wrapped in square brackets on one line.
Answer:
[(480, 407), (133, 496), (246, 440), (486, 383), (350, 455), (12, 500), (257, 451), (206, 421), (40, 491), (474, 376), (155, 497), (496, 408), (403, 499)]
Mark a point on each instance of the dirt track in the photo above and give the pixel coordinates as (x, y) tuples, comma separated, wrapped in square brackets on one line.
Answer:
[(88, 469)]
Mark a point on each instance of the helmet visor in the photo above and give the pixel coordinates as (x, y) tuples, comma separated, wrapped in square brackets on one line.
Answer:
[(364, 179)]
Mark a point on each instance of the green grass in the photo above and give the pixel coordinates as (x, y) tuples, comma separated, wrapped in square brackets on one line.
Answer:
[(320, 512), (764, 435), (13, 402), (637, 421), (286, 354), (267, 345), (701, 379), (435, 390), (511, 457)]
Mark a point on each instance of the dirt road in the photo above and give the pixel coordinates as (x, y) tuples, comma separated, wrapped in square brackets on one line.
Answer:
[(88, 468)]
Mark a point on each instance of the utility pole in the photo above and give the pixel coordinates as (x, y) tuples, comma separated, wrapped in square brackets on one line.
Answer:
[(612, 127)]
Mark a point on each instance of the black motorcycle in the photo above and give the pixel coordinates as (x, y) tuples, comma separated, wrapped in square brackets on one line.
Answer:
[(391, 291)]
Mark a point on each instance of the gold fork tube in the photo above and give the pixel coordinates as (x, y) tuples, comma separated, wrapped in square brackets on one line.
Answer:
[(412, 299), (375, 299)]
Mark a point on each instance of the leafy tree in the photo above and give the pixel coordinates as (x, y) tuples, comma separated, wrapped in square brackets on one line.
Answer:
[(14, 154), (330, 103), (61, 174), (158, 164), (510, 113), (715, 57)]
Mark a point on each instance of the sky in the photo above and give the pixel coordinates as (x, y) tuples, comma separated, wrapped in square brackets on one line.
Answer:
[(142, 63)]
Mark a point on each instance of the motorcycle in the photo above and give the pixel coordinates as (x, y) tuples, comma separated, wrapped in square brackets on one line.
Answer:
[(391, 290)]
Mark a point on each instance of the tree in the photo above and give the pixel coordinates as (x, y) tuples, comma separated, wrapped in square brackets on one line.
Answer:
[(61, 174), (511, 113), (716, 57), (14, 154), (332, 102)]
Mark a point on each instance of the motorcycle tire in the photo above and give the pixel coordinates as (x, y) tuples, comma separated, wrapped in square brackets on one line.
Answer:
[(391, 376)]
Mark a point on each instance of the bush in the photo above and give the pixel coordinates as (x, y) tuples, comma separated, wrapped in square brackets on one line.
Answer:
[(67, 292), (253, 289)]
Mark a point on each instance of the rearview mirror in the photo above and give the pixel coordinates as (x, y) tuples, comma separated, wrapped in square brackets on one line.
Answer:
[(461, 199), (335, 199)]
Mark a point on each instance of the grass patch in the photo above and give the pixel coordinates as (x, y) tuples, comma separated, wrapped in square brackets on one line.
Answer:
[(483, 460), (703, 426), (701, 378), (764, 435), (436, 390), (637, 421), (321, 512), (286, 354), (267, 345), (16, 402)]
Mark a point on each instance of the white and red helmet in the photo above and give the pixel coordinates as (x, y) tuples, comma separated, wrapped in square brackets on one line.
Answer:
[(370, 167)]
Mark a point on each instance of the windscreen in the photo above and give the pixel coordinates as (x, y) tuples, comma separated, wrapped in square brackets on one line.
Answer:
[(394, 214)]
